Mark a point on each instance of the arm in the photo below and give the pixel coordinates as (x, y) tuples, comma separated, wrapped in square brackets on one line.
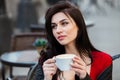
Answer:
[(106, 74), (39, 75), (49, 69), (44, 72), (80, 68), (46, 67)]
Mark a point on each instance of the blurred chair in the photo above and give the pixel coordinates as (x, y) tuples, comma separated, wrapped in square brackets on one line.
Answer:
[(31, 72), (24, 41), (37, 28)]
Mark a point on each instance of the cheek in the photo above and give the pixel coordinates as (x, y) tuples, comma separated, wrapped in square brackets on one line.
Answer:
[(73, 32), (54, 34)]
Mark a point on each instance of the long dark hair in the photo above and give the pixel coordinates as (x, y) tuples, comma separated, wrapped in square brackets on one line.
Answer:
[(83, 44)]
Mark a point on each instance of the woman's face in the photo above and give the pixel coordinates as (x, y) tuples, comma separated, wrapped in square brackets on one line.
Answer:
[(64, 28)]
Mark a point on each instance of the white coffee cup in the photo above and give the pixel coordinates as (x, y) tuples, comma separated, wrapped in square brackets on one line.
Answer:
[(63, 61)]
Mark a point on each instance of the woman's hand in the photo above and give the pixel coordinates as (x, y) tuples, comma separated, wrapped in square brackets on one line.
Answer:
[(79, 67), (49, 69)]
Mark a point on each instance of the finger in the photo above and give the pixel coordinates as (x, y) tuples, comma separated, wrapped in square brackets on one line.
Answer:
[(79, 71), (54, 57), (78, 60), (78, 66), (49, 61), (50, 70), (49, 65)]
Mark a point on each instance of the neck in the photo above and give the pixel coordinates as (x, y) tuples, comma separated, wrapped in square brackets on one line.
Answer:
[(71, 49)]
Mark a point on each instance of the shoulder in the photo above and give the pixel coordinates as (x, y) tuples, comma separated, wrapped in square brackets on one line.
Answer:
[(101, 61), (101, 55), (102, 58)]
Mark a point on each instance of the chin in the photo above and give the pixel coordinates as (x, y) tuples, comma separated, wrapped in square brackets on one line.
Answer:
[(63, 43)]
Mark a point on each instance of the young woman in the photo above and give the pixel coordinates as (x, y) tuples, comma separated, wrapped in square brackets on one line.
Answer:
[(66, 34)]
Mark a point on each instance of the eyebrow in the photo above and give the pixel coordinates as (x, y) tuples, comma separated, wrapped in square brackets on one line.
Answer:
[(61, 21)]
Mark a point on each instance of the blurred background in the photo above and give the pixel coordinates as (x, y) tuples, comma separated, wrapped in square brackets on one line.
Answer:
[(102, 18)]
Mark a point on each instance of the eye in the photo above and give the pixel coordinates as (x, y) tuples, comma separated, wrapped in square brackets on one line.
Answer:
[(64, 23), (54, 26)]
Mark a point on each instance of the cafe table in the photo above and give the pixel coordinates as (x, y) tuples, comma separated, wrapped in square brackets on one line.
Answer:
[(26, 58)]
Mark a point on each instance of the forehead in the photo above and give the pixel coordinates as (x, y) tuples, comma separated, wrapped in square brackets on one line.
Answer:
[(60, 16)]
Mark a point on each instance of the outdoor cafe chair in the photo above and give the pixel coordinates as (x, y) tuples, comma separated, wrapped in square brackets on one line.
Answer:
[(23, 41)]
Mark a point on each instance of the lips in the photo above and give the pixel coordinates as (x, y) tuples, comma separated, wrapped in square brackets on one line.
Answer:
[(61, 37)]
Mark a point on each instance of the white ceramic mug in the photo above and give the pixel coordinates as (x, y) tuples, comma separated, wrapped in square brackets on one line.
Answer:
[(63, 61)]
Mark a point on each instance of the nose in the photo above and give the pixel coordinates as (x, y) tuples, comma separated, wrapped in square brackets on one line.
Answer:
[(59, 30)]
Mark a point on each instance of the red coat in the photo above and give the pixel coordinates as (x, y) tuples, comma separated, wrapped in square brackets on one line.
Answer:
[(101, 61)]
